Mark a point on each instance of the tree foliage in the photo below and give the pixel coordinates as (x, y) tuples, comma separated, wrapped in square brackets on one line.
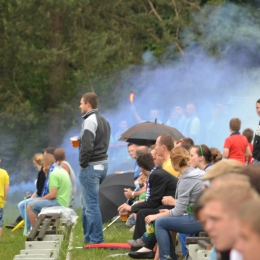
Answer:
[(51, 52)]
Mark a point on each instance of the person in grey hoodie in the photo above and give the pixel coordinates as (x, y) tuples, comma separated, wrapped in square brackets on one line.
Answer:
[(179, 219)]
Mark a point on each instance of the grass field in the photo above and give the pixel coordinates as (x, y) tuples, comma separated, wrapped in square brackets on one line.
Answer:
[(13, 242)]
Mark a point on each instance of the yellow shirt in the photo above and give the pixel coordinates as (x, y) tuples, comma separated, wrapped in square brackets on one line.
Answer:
[(4, 179), (167, 166)]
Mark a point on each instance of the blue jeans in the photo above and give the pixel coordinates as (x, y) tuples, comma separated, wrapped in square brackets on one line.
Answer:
[(182, 238), (37, 205), (186, 224), (90, 179)]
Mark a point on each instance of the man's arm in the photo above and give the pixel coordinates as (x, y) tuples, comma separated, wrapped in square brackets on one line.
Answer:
[(157, 190), (87, 142), (248, 152), (51, 195), (225, 153)]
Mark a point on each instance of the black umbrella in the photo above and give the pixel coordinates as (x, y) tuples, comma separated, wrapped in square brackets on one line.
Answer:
[(147, 132), (111, 193)]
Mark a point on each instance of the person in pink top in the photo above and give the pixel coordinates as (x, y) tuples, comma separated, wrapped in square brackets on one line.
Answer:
[(236, 145)]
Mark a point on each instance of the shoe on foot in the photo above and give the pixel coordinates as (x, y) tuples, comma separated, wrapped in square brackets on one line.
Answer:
[(141, 255), (13, 225), (136, 243)]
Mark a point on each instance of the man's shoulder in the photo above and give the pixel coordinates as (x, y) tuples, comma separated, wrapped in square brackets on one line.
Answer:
[(3, 172), (161, 172), (58, 170)]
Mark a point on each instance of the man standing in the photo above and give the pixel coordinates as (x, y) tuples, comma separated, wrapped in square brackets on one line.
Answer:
[(192, 125), (256, 150), (94, 142)]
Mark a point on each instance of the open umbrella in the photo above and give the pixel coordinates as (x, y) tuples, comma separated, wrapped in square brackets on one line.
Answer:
[(111, 193), (147, 132)]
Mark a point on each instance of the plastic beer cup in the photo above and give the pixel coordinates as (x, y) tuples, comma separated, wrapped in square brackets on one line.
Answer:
[(75, 141)]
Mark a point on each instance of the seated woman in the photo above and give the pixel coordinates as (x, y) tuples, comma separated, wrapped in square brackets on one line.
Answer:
[(179, 219), (38, 163), (201, 157)]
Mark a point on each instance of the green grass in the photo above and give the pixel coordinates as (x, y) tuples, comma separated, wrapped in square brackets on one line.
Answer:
[(13, 242)]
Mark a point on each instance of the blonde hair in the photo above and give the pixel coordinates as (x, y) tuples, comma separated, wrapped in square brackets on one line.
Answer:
[(249, 213), (230, 192), (38, 158), (180, 156)]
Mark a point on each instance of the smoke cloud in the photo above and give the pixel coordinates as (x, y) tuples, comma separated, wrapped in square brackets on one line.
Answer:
[(222, 86)]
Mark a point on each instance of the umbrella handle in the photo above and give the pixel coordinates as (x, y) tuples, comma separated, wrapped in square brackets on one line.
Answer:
[(111, 223)]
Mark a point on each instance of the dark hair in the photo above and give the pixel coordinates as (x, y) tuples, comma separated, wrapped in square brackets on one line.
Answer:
[(215, 154), (49, 150), (59, 154), (142, 150), (129, 144), (188, 141), (145, 161), (258, 101), (249, 134), (235, 124), (166, 139), (253, 172), (186, 146), (91, 98), (203, 150)]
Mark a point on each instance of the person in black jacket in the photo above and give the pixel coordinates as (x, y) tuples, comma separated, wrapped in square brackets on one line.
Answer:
[(256, 143), (160, 184)]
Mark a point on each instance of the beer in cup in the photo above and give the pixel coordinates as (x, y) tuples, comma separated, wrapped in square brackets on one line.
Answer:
[(124, 216), (75, 141)]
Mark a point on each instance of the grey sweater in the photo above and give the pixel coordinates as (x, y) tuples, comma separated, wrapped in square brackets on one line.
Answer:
[(189, 187)]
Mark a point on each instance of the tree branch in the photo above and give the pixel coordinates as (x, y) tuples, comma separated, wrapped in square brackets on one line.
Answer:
[(154, 11), (192, 4), (175, 8), (179, 48)]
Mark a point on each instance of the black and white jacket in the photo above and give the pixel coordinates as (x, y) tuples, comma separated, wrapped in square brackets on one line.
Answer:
[(94, 139)]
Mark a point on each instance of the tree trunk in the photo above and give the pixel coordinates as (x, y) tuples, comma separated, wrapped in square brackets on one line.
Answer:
[(55, 87)]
